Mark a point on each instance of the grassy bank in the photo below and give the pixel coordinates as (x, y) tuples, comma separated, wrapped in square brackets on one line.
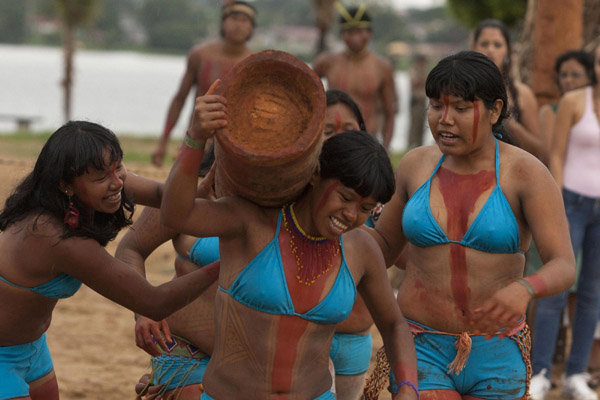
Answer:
[(136, 149)]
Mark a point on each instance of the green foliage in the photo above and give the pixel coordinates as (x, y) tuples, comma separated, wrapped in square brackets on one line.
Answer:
[(12, 21), (171, 24), (388, 26), (109, 32), (470, 12), (272, 12), (75, 13)]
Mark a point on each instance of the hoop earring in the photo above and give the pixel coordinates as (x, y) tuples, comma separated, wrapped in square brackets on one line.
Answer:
[(71, 215)]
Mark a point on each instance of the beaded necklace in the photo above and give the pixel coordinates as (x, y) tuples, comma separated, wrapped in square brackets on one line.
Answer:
[(314, 254)]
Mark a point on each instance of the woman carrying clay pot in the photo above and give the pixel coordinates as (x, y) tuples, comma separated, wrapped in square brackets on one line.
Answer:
[(290, 274)]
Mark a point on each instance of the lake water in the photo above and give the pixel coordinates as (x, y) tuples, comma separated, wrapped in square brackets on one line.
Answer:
[(126, 91)]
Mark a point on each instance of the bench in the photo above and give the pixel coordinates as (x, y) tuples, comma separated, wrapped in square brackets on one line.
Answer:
[(23, 121)]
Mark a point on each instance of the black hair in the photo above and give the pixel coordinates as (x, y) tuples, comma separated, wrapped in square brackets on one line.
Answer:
[(506, 64), (585, 59), (335, 96), (69, 152), (470, 75), (359, 162), (225, 15), (365, 17)]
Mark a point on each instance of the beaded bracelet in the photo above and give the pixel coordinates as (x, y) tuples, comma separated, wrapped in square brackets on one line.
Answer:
[(194, 144), (527, 285), (409, 383)]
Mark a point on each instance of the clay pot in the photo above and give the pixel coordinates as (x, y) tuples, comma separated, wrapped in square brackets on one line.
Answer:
[(276, 113)]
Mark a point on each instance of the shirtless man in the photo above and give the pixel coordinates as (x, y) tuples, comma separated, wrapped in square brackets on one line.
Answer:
[(205, 63), (365, 76)]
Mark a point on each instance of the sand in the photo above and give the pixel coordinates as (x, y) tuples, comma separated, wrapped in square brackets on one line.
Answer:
[(91, 338)]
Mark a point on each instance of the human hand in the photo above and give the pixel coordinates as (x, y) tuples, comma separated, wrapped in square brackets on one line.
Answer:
[(159, 155), (502, 311), (148, 335), (210, 114), (145, 388)]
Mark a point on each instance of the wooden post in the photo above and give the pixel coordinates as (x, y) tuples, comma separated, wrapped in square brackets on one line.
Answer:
[(558, 28)]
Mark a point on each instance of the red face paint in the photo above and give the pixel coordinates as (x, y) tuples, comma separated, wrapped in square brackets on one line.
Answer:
[(475, 119), (326, 195), (460, 192), (446, 107), (338, 122)]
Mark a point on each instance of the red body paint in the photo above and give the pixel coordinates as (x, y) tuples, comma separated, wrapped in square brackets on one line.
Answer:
[(291, 328), (538, 284), (475, 119), (326, 195), (460, 192), (338, 123), (289, 333), (190, 160), (404, 372)]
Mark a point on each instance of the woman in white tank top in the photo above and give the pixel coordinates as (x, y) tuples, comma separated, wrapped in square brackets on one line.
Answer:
[(575, 164)]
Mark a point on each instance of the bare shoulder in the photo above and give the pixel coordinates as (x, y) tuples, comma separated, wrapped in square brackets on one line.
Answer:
[(576, 96), (323, 62), (383, 63), (415, 167), (419, 157), (524, 89), (526, 94), (360, 243), (520, 168), (205, 49)]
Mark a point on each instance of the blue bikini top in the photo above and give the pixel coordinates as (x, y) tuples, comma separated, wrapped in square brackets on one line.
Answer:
[(494, 230), (205, 251), (60, 287), (262, 286)]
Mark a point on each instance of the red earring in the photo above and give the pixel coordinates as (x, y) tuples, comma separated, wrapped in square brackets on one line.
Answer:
[(71, 215)]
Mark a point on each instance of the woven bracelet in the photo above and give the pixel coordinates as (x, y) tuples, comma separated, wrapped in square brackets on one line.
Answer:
[(194, 144), (409, 383), (528, 286)]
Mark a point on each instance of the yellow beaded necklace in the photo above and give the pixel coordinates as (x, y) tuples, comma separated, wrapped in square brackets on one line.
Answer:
[(314, 255)]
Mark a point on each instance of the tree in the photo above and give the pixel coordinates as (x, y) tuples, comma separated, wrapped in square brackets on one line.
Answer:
[(73, 14), (12, 21), (471, 12), (323, 10), (172, 24), (558, 28)]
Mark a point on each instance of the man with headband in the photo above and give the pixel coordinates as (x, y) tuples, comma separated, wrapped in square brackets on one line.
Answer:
[(211, 61), (365, 76)]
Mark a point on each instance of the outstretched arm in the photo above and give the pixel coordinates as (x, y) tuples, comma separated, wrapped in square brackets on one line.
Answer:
[(146, 235), (377, 292), (544, 213), (188, 80)]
